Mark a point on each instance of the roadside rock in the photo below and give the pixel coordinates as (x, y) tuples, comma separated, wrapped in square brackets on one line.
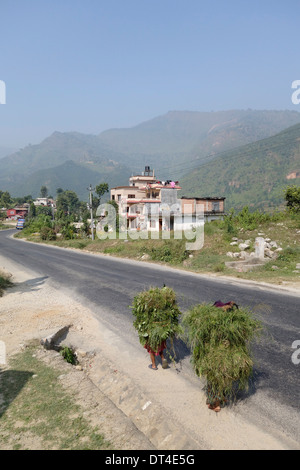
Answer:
[(270, 254), (244, 246), (268, 249)]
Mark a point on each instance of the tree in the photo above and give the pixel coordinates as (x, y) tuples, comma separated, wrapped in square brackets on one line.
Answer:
[(44, 191), (24, 199), (5, 199), (68, 202), (45, 210), (292, 197), (32, 210), (101, 189)]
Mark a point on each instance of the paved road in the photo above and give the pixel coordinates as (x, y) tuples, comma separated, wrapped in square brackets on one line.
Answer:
[(108, 285)]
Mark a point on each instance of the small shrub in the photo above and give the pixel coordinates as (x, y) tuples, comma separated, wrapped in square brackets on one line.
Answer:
[(68, 232), (289, 254), (69, 355), (219, 268), (170, 251), (47, 233), (5, 282), (292, 197), (114, 249)]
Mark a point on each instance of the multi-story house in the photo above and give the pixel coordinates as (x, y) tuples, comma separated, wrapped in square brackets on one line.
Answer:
[(150, 204)]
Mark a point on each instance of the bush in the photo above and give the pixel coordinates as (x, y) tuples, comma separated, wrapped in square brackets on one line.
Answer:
[(156, 316), (292, 197), (247, 220), (35, 224), (69, 355), (5, 282), (170, 251), (220, 346), (289, 254), (47, 233), (68, 232)]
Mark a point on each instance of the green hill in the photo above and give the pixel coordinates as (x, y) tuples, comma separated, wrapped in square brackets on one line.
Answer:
[(73, 176), (252, 175), (49, 163)]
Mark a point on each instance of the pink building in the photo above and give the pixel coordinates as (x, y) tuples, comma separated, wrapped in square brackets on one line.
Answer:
[(150, 204)]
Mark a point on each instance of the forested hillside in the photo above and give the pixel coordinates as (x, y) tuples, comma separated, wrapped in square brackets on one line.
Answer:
[(252, 175)]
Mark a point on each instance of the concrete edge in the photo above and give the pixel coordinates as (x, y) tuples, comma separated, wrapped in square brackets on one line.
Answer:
[(150, 422)]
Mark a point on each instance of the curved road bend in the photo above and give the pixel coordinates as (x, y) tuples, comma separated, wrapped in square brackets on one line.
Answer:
[(108, 285)]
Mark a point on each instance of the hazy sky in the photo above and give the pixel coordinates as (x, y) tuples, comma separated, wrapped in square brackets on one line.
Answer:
[(90, 65)]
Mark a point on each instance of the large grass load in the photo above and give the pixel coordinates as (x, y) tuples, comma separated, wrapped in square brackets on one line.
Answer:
[(156, 316), (220, 344)]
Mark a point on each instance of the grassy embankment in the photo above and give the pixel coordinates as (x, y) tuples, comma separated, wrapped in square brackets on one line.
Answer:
[(283, 228), (37, 413)]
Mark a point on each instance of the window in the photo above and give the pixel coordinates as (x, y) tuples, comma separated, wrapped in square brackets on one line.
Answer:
[(131, 196)]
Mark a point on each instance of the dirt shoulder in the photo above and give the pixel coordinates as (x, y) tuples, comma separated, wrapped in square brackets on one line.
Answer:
[(137, 408), (33, 310)]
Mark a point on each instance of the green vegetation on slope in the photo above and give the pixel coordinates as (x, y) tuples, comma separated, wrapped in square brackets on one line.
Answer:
[(252, 175)]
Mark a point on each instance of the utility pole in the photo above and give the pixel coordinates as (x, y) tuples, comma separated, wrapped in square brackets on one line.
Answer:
[(90, 206)]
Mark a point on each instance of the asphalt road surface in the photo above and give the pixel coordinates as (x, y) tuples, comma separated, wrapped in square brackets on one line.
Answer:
[(108, 285)]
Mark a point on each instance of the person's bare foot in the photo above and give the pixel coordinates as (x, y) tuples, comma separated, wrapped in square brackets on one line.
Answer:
[(215, 408)]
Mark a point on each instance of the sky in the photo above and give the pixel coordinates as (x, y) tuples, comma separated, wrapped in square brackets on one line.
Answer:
[(92, 65)]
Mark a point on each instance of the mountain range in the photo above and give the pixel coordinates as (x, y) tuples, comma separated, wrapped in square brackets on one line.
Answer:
[(197, 148)]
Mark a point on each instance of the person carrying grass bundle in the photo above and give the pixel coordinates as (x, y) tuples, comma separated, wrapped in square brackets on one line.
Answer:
[(220, 345), (154, 354), (156, 320)]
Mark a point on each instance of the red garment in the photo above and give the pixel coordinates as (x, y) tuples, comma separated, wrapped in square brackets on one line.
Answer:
[(159, 350)]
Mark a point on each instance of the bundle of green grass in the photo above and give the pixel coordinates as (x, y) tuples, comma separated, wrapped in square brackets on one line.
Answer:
[(220, 345), (156, 316)]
